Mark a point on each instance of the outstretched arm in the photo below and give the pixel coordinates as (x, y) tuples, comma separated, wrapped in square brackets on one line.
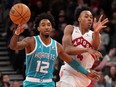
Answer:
[(97, 27), (75, 64)]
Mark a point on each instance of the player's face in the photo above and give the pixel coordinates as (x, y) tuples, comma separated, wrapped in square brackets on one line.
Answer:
[(86, 19), (45, 27)]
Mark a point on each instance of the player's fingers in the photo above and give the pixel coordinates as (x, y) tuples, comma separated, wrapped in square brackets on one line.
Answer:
[(95, 20), (20, 25), (105, 21), (104, 26), (98, 55), (20, 28), (96, 76), (100, 18)]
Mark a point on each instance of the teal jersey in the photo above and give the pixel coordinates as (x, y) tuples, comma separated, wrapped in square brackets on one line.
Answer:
[(40, 62)]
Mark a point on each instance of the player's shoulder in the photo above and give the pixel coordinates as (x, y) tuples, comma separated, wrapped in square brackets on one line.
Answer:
[(68, 29)]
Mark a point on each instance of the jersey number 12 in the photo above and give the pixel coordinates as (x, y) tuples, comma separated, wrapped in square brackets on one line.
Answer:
[(42, 69)]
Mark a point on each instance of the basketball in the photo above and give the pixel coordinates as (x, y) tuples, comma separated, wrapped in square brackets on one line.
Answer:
[(20, 13)]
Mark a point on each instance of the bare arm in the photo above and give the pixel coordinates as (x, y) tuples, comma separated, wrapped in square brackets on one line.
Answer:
[(97, 27), (75, 64), (62, 54), (18, 45), (96, 40), (67, 42)]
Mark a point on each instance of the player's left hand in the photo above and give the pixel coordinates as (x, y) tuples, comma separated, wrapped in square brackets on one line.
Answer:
[(20, 29), (93, 75), (97, 26)]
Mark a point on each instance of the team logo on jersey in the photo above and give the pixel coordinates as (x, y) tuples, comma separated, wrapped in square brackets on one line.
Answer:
[(88, 35), (81, 41), (76, 31), (53, 48)]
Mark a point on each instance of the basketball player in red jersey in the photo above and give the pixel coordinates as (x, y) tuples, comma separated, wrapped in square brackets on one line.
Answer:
[(81, 43)]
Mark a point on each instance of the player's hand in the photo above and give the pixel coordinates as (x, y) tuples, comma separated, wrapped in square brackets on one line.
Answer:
[(20, 29), (97, 26), (94, 53), (93, 75)]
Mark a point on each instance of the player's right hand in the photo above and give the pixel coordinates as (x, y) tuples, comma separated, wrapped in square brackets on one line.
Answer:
[(94, 53), (93, 76), (20, 29)]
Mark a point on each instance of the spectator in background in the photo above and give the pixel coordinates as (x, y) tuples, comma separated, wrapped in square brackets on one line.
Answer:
[(5, 80), (113, 6), (114, 84), (108, 61), (111, 77), (15, 84), (112, 57), (102, 82), (104, 41)]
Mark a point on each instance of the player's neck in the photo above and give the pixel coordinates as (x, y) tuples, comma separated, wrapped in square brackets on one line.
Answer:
[(83, 30), (45, 40)]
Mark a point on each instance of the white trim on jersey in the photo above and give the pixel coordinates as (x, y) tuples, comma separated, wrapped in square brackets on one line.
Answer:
[(56, 48), (43, 42)]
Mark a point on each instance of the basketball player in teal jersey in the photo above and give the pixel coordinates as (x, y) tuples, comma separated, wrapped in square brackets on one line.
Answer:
[(42, 52)]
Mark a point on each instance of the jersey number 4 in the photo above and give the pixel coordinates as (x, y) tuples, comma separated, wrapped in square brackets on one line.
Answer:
[(41, 68)]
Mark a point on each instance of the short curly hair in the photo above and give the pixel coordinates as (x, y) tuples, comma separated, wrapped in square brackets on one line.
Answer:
[(44, 16), (79, 9)]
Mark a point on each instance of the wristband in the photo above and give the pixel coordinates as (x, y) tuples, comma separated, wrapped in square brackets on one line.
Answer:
[(76, 65)]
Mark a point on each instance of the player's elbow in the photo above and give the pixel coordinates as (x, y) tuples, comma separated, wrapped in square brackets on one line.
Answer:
[(12, 47)]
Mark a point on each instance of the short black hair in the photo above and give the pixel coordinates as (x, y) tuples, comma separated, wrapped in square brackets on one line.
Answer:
[(79, 9), (44, 16)]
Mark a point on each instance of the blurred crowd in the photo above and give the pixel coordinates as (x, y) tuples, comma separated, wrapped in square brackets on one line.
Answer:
[(5, 82), (63, 12)]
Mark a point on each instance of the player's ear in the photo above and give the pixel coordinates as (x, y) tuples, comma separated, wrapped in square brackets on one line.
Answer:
[(79, 19), (38, 28)]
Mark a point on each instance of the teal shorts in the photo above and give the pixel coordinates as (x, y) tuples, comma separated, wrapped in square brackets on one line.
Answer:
[(38, 84)]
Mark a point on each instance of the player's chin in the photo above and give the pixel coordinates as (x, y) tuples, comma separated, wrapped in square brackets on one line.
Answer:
[(47, 35), (89, 26)]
